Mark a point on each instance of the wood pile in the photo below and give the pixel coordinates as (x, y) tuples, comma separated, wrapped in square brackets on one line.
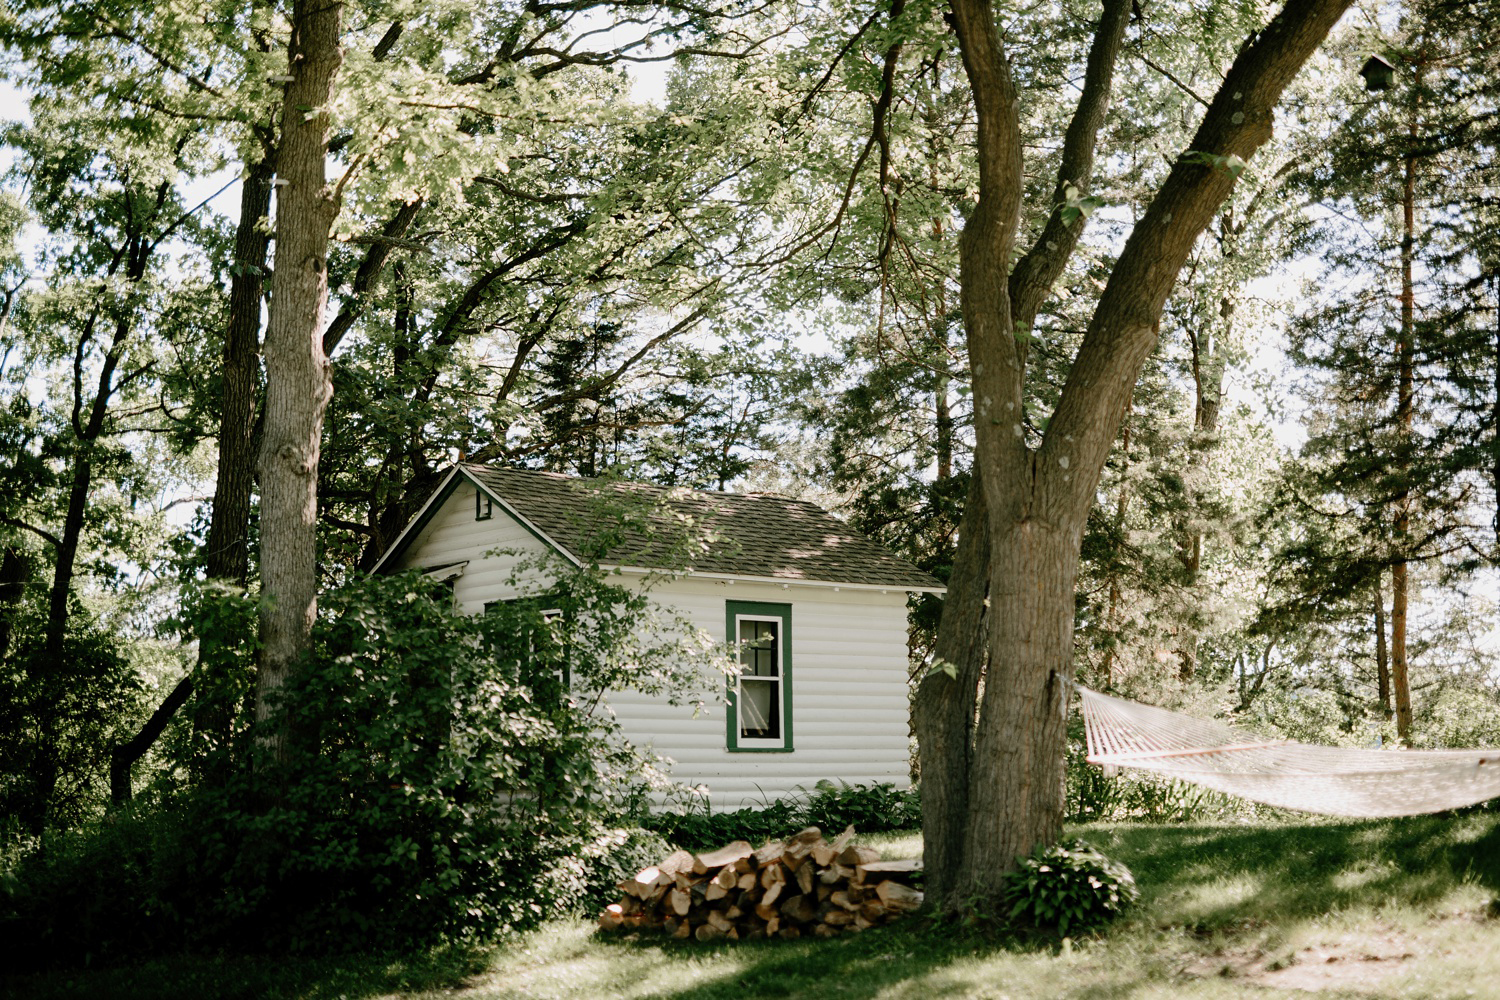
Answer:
[(786, 889)]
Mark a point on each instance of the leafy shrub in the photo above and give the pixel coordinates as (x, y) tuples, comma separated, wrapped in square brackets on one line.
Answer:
[(438, 782), (615, 856), (59, 720), (868, 808), (1070, 887)]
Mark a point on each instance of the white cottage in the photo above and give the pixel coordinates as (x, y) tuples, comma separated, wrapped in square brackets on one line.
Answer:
[(819, 612)]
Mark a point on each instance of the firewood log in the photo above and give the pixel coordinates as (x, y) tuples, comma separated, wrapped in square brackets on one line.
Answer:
[(728, 854), (878, 871), (805, 878), (798, 848), (677, 861), (897, 896), (708, 932), (855, 855)]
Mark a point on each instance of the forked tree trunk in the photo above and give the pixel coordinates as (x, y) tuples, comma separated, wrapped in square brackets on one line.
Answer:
[(1038, 500), (297, 377)]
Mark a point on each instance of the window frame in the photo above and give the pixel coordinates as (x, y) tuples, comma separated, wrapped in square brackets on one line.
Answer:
[(551, 605), (734, 613)]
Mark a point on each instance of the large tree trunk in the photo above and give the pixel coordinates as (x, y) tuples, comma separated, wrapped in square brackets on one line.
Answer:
[(943, 710), (297, 378), (1038, 500)]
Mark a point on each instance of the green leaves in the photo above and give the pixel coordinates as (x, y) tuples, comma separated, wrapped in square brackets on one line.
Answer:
[(1069, 887), (1077, 206)]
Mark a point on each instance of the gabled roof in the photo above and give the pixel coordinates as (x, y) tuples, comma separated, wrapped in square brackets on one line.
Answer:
[(759, 535)]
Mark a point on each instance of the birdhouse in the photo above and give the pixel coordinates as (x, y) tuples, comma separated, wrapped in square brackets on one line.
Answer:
[(1378, 74)]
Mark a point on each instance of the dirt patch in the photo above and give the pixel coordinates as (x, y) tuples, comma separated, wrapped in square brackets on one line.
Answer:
[(1351, 962)]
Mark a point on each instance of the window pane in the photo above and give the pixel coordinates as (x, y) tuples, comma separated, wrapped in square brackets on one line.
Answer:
[(760, 709), (758, 649)]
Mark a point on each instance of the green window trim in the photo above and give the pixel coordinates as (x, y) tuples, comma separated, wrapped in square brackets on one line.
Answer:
[(734, 613)]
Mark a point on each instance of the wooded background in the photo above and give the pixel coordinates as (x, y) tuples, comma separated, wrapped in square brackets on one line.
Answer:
[(1172, 347)]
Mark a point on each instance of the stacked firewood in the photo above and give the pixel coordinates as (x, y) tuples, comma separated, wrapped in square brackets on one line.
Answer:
[(787, 889)]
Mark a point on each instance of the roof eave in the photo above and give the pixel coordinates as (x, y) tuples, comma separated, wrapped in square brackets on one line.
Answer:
[(783, 581)]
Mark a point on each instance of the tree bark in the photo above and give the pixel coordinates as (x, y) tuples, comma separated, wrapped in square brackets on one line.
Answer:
[(1038, 501), (1405, 409), (227, 551), (297, 377), (943, 709), (943, 712), (1382, 661)]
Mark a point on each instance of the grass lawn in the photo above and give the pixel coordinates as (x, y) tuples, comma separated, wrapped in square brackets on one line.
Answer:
[(1394, 908)]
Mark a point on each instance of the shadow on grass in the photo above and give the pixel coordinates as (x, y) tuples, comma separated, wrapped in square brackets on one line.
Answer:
[(252, 977), (916, 959), (1200, 879), (1218, 876), (1196, 880)]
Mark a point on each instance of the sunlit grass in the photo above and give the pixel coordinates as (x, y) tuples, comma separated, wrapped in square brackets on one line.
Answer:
[(1385, 909)]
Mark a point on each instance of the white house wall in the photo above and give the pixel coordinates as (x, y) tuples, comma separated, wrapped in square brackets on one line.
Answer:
[(849, 708), (849, 704), (453, 535)]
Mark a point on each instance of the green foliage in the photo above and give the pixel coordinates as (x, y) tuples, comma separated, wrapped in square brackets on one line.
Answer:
[(871, 808), (62, 718), (1069, 886), (441, 784)]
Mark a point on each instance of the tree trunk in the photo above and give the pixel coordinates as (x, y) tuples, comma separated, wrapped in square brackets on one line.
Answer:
[(297, 378), (1405, 399), (86, 434), (1382, 661), (1016, 779), (227, 549), (1038, 500), (943, 710)]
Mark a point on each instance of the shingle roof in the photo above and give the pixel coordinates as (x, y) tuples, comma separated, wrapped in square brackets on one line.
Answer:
[(758, 535)]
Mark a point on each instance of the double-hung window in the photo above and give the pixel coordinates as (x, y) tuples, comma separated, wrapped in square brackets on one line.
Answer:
[(542, 655), (760, 693)]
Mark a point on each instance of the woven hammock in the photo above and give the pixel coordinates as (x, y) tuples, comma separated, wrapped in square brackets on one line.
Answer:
[(1330, 780)]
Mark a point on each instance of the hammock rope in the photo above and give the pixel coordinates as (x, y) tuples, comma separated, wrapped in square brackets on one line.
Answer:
[(1335, 781)]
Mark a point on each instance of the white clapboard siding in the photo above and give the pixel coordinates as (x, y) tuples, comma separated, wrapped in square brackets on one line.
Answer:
[(454, 535), (849, 690)]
